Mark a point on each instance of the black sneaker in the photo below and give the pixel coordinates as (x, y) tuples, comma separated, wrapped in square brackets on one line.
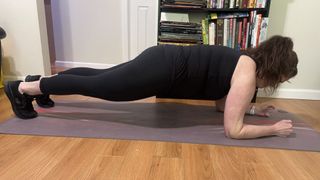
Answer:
[(42, 100), (21, 103)]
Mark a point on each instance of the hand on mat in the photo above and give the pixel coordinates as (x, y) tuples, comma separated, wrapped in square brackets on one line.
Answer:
[(264, 110), (283, 128)]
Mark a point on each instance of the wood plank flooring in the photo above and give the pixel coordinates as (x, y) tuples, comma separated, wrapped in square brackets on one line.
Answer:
[(37, 157)]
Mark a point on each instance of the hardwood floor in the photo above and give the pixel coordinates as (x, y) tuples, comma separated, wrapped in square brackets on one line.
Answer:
[(37, 157)]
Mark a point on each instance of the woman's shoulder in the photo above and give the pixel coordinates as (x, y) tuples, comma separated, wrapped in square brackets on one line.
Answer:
[(245, 67), (244, 75), (245, 59)]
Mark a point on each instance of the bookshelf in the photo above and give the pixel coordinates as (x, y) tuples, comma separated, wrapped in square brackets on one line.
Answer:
[(254, 16), (254, 27)]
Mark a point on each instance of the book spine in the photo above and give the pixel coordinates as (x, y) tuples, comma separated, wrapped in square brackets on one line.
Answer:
[(218, 4), (226, 4), (264, 29), (233, 39), (259, 3), (212, 33), (220, 31), (254, 3), (264, 3), (259, 19), (230, 33), (255, 30), (237, 4), (213, 3), (231, 5), (221, 3), (240, 34), (205, 31), (240, 4), (225, 32), (251, 27), (247, 35), (250, 3), (244, 4), (236, 36), (244, 33)]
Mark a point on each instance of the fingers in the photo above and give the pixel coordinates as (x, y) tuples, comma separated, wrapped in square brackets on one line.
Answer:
[(284, 128), (270, 107), (287, 121), (266, 111), (285, 133)]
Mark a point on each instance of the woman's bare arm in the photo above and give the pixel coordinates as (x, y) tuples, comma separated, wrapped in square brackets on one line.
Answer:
[(238, 99)]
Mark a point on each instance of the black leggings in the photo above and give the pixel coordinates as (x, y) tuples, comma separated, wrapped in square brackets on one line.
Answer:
[(149, 74)]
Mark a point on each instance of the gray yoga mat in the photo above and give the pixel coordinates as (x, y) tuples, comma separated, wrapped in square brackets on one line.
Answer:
[(154, 121)]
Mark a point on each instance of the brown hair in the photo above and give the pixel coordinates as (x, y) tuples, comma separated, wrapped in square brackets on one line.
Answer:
[(274, 59)]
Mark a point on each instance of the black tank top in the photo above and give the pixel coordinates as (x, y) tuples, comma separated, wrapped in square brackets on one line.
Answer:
[(201, 71)]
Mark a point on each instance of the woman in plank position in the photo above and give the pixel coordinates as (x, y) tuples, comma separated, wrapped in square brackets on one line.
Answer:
[(196, 72)]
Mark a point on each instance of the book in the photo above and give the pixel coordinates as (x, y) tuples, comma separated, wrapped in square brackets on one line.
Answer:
[(236, 5), (247, 36), (213, 16), (261, 3), (264, 3), (244, 4), (231, 5), (251, 26), (264, 28), (259, 19), (255, 30), (233, 15), (240, 4), (240, 34), (213, 3), (175, 17), (219, 32), (177, 44), (226, 3), (181, 32), (205, 28), (244, 33), (225, 31), (212, 33), (251, 4), (184, 3)]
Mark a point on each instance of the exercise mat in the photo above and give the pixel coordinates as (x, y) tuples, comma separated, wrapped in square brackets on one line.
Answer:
[(154, 121)]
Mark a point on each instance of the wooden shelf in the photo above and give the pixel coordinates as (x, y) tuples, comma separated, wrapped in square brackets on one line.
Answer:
[(210, 10)]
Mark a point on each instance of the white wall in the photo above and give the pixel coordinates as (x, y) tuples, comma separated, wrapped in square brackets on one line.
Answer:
[(299, 20), (25, 52), (88, 31)]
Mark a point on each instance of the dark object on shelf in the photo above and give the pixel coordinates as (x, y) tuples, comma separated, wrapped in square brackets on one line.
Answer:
[(2, 35), (183, 3)]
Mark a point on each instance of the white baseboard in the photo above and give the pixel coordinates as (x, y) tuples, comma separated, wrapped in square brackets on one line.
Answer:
[(308, 94), (72, 64)]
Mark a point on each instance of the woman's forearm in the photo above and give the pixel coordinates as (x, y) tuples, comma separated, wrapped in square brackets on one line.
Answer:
[(249, 131)]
